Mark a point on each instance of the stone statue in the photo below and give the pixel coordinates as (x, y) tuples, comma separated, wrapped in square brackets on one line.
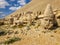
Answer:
[(58, 19), (48, 18)]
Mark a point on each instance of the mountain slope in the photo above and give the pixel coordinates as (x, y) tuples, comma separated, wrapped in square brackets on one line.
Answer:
[(31, 32), (38, 5)]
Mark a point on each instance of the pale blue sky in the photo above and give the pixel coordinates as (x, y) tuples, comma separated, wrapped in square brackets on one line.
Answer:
[(9, 6)]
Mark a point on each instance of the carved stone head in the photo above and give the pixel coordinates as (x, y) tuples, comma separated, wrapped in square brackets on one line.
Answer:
[(48, 20), (58, 19)]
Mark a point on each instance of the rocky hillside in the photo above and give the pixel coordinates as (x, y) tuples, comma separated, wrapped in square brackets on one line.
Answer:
[(37, 23)]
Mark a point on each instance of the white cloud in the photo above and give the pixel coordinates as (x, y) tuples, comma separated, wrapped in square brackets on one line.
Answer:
[(1, 12), (3, 15), (19, 7), (3, 3), (21, 2), (14, 8), (16, 5)]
